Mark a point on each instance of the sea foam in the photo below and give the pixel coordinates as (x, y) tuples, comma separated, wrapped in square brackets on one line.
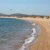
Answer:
[(28, 40)]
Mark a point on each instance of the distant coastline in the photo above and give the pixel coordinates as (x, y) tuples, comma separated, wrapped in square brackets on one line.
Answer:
[(19, 15)]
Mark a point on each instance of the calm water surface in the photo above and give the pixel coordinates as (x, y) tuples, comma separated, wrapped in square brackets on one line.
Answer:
[(13, 32)]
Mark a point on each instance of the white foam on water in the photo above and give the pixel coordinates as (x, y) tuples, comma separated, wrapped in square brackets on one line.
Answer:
[(33, 24), (26, 43), (28, 40)]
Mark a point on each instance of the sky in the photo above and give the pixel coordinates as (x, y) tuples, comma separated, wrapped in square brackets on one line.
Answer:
[(35, 7)]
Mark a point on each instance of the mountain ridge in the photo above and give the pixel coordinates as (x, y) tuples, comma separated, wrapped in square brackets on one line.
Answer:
[(20, 15)]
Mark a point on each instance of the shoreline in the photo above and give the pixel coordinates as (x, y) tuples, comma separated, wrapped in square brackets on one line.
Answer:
[(41, 43), (44, 36)]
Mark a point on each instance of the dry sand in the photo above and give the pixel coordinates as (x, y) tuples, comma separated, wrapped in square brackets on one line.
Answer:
[(43, 42)]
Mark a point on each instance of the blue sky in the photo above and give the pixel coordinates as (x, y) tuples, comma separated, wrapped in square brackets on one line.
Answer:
[(36, 7)]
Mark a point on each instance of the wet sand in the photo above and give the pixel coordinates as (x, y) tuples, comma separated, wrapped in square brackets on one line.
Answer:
[(43, 42)]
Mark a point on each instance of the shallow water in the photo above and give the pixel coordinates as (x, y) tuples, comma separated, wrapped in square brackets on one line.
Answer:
[(13, 33), (32, 38)]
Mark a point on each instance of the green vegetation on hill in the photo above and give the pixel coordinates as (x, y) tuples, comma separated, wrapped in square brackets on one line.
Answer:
[(24, 15)]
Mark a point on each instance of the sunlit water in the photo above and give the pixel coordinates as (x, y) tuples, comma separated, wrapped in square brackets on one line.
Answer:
[(14, 32)]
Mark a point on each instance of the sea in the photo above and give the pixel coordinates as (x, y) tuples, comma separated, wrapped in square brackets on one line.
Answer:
[(13, 33)]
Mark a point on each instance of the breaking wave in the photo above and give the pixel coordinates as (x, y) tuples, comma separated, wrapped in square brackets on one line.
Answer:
[(29, 40)]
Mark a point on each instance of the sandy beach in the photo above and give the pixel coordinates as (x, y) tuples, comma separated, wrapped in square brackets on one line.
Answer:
[(43, 42)]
